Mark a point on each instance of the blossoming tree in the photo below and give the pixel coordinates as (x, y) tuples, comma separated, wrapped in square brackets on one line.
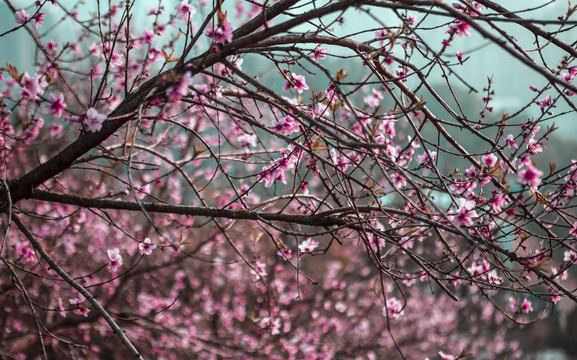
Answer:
[(258, 179)]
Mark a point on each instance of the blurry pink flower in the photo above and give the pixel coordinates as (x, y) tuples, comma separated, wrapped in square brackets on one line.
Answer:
[(21, 16), (287, 125), (399, 180), (446, 356), (247, 140), (61, 309), (184, 11), (222, 33), (319, 54), (511, 142), (527, 306), (308, 245), (147, 37), (530, 176), (146, 247), (273, 325), (570, 256), (94, 120), (77, 301), (424, 158), (115, 260), (394, 308), (297, 82), (489, 160), (57, 104), (459, 56), (545, 103), (512, 303), (32, 86), (38, 20), (498, 201), (573, 231), (534, 147), (175, 93), (466, 213)]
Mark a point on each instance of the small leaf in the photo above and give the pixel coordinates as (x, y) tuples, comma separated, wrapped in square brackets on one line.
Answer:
[(257, 235), (197, 150), (281, 245), (464, 353), (11, 69), (169, 58), (221, 16), (341, 74)]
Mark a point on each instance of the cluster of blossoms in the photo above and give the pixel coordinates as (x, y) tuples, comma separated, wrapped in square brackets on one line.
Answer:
[(382, 210), (22, 18), (277, 170)]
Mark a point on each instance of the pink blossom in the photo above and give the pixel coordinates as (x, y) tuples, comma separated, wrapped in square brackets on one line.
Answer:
[(21, 16), (534, 131), (394, 308), (38, 20), (148, 36), (489, 160), (399, 181), (57, 104), (77, 301), (222, 33), (570, 256), (530, 176), (513, 303), (446, 356), (32, 86), (184, 11), (573, 230), (527, 306), (459, 56), (287, 125), (176, 93), (466, 213), (94, 120), (247, 140), (511, 142), (61, 309), (308, 245), (424, 158), (295, 81), (146, 247), (341, 162), (461, 28), (567, 77), (494, 278), (51, 46), (115, 259), (381, 33), (319, 54), (498, 201), (273, 325), (305, 187), (534, 147), (260, 268), (545, 103)]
